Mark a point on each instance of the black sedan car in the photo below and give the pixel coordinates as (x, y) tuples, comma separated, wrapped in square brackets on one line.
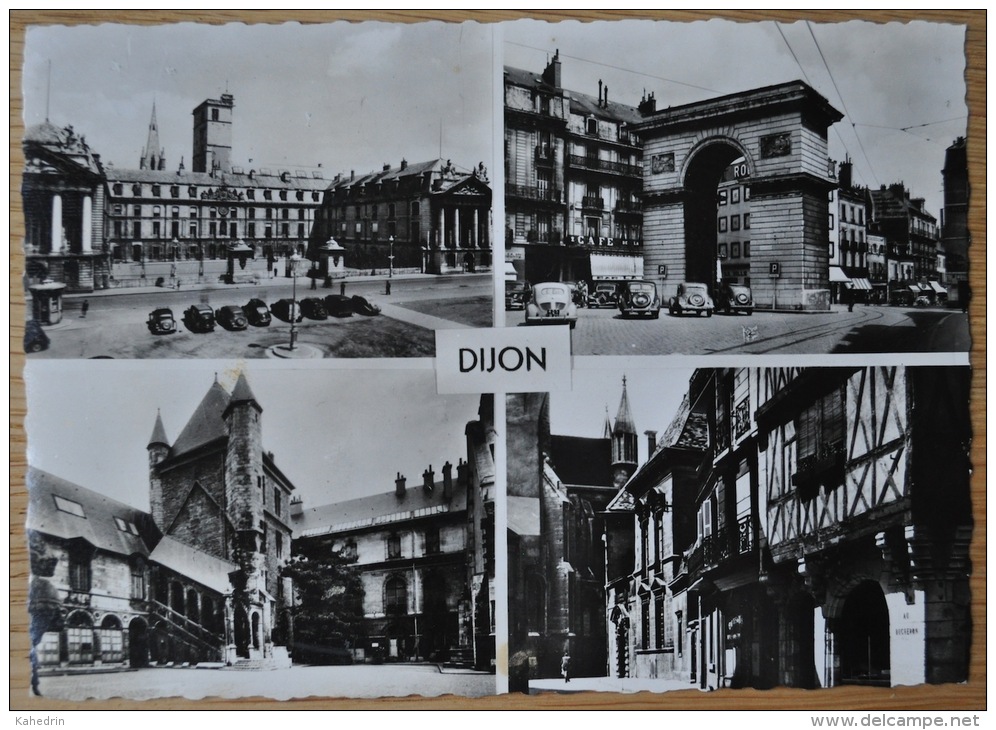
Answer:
[(35, 339), (285, 309), (257, 313), (161, 321), (231, 318), (339, 305), (313, 308), (516, 294), (199, 318), (362, 306), (735, 298)]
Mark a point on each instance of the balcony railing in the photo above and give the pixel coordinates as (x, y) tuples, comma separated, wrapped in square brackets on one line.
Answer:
[(531, 192), (629, 206), (544, 153), (593, 163), (592, 203), (735, 540)]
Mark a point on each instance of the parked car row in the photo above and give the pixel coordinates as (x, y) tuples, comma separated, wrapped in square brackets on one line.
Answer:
[(555, 302), (202, 318)]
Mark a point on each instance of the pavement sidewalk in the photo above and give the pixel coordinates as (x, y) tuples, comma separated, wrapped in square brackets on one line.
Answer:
[(607, 684)]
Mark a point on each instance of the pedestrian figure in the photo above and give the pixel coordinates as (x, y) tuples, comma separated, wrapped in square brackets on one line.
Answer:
[(178, 285), (314, 283), (85, 308), (849, 295), (565, 667), (387, 286), (342, 288)]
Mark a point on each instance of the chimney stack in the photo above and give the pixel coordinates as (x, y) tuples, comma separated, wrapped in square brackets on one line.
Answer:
[(463, 473), (428, 479), (447, 480), (399, 486), (605, 99), (404, 164), (296, 506), (600, 92), (651, 442)]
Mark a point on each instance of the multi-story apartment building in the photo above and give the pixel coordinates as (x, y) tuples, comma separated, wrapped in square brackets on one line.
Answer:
[(431, 217), (910, 231), (848, 226), (573, 174)]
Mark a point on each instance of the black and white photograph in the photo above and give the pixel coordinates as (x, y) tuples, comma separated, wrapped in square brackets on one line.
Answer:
[(258, 532), (740, 528), (806, 183), (251, 191)]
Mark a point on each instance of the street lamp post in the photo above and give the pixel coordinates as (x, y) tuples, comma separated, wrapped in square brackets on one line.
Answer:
[(390, 258), (295, 261)]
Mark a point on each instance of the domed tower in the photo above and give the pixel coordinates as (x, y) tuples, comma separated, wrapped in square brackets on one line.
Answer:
[(158, 450), (624, 442)]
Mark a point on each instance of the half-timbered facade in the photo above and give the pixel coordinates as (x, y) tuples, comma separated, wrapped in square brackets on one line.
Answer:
[(801, 527)]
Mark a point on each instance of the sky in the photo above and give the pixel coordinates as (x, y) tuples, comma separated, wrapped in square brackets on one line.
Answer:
[(346, 96), (337, 433), (884, 77), (654, 394)]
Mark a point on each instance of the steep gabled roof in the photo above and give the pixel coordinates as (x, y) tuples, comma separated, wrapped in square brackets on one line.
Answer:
[(206, 425), (62, 509)]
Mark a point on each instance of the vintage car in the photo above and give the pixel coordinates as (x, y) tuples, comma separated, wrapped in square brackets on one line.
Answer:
[(735, 298), (257, 313), (692, 298), (35, 339), (638, 298), (286, 309), (161, 321), (199, 318), (231, 317), (364, 307), (605, 294), (516, 294), (552, 303), (313, 308), (339, 305)]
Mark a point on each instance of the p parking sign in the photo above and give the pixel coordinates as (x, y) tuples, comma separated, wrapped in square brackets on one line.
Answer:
[(774, 269), (662, 270)]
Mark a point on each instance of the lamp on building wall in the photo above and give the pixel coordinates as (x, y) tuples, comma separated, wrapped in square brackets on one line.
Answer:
[(294, 263), (390, 258)]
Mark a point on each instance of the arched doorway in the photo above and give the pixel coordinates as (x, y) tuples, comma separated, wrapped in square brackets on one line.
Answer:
[(111, 640), (242, 637), (257, 631), (138, 643), (705, 170), (862, 637)]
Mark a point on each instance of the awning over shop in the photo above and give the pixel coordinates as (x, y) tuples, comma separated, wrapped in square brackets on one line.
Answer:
[(937, 287), (863, 284), (611, 266), (925, 288), (837, 274)]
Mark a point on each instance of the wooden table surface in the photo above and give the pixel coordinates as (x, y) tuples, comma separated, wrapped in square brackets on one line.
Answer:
[(948, 697)]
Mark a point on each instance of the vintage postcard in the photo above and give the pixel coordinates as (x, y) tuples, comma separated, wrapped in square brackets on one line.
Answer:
[(259, 531), (806, 183), (294, 191)]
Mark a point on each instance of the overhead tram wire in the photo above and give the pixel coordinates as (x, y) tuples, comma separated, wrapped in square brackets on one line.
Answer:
[(618, 68), (805, 76), (842, 102)]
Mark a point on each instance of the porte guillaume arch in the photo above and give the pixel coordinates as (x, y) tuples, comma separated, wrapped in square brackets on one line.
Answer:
[(779, 134)]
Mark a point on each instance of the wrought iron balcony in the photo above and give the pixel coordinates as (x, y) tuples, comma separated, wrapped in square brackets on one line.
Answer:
[(722, 546), (629, 206), (592, 203), (593, 163), (531, 192)]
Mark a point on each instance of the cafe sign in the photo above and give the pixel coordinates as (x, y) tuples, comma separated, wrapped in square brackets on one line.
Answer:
[(603, 242)]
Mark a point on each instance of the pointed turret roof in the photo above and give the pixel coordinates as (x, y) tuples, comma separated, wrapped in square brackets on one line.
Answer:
[(207, 423), (607, 431), (624, 418), (159, 433), (242, 393)]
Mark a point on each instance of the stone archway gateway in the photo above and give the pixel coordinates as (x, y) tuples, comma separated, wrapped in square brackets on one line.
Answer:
[(780, 132)]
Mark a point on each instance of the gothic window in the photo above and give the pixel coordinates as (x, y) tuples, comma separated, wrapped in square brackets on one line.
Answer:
[(394, 545), (645, 622), (395, 595)]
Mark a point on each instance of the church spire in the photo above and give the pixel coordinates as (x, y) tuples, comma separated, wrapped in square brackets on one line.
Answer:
[(153, 156), (607, 431), (624, 441), (624, 419)]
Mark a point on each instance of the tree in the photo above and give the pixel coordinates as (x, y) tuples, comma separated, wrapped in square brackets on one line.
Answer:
[(328, 604)]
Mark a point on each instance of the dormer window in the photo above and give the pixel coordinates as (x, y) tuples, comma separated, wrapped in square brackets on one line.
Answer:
[(69, 506)]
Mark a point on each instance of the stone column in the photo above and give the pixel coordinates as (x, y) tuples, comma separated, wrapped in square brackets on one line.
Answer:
[(87, 238), (457, 229), (476, 229), (56, 237), (442, 227)]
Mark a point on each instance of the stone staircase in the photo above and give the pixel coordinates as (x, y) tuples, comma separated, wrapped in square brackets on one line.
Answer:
[(279, 659)]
